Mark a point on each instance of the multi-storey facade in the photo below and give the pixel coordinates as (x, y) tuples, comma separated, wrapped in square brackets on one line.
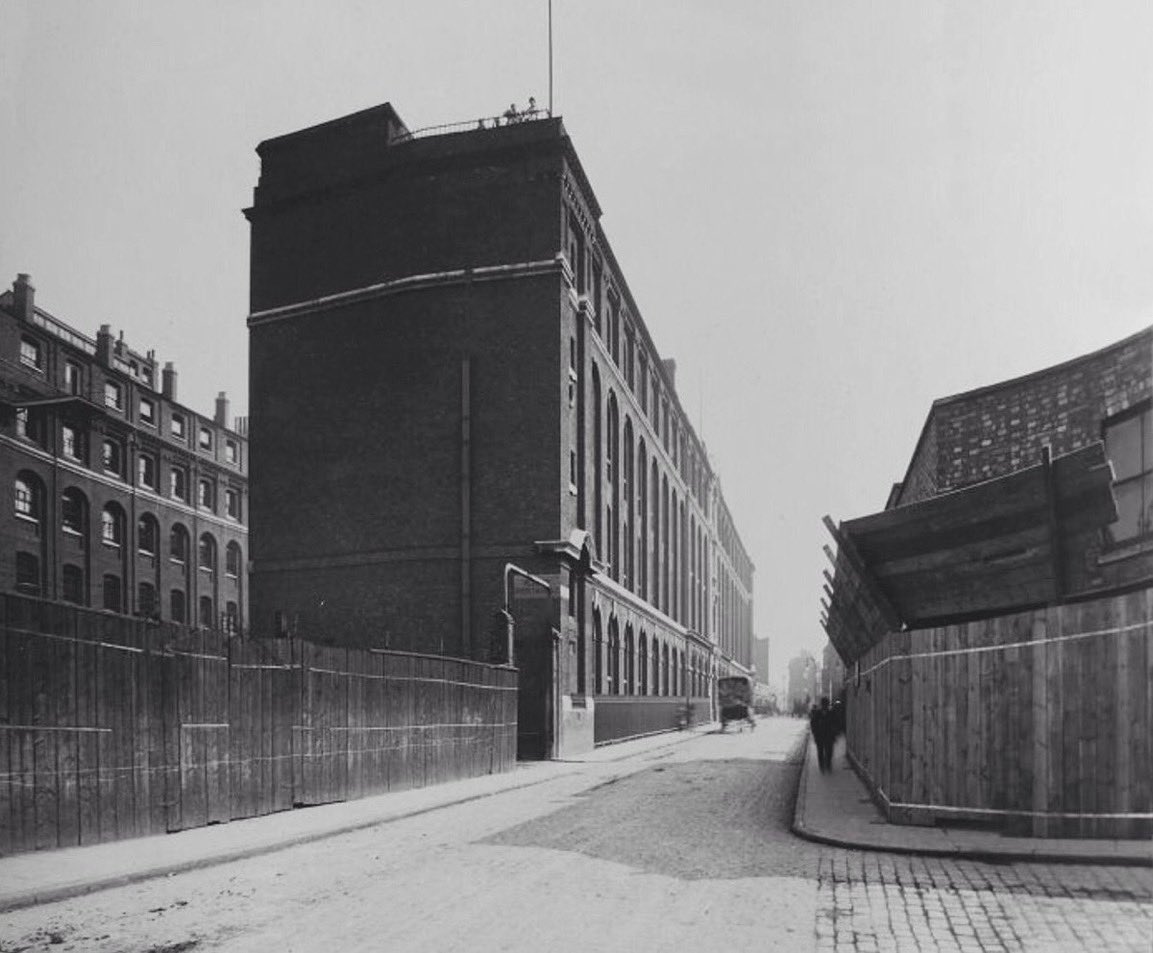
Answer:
[(119, 497), (449, 374)]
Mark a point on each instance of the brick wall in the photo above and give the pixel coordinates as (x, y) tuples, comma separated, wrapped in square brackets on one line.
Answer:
[(995, 430)]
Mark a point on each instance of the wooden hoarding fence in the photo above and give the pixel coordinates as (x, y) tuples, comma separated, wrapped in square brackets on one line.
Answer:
[(112, 727)]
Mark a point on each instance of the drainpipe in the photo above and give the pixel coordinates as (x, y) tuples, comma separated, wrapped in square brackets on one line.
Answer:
[(511, 570)]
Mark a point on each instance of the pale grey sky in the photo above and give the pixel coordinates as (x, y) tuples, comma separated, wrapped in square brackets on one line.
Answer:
[(830, 213)]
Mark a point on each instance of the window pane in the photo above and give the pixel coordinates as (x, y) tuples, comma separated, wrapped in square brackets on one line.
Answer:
[(1129, 507), (112, 593), (146, 599), (73, 585), (1123, 447), (27, 574), (176, 605)]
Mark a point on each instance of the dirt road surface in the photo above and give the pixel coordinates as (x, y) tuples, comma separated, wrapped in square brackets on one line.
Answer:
[(684, 848)]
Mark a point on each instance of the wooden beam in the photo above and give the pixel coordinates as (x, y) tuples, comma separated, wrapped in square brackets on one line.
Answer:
[(845, 545), (1056, 549), (867, 638), (848, 592)]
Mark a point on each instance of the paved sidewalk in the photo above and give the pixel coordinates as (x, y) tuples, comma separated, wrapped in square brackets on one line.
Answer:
[(836, 809), (44, 876)]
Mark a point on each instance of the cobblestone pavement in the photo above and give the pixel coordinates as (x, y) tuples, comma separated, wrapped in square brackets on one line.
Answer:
[(687, 848), (873, 903)]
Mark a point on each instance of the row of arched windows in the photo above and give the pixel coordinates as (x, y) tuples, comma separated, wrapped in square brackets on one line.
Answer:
[(626, 348), (649, 534), (28, 497), (29, 506), (74, 589), (640, 664)]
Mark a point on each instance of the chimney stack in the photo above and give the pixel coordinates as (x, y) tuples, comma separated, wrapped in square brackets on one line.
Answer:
[(24, 297), (671, 371), (221, 418), (168, 381), (104, 345)]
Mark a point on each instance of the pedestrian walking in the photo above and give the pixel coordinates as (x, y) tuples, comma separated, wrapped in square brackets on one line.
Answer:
[(822, 723)]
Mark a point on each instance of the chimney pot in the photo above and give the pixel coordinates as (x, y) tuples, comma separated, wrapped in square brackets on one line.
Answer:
[(168, 381), (104, 345), (221, 418), (24, 297)]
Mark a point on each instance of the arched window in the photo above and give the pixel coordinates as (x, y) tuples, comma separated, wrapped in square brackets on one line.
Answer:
[(614, 658), (598, 657), (630, 684), (231, 618), (643, 664), (74, 512), (664, 586), (232, 560), (178, 544), (665, 687), (147, 534), (598, 457), (612, 474), (654, 594), (691, 564), (627, 481), (112, 526), (207, 613), (642, 520), (675, 562), (206, 558), (28, 574)]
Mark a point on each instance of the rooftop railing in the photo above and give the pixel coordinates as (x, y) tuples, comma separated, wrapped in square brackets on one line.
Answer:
[(510, 117), (58, 328)]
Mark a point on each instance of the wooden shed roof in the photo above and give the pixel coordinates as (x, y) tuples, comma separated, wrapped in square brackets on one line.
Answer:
[(989, 548)]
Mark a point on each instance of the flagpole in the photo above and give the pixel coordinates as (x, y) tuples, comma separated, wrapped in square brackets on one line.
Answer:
[(550, 57)]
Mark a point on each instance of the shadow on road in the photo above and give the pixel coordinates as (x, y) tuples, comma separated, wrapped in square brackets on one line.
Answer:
[(702, 819)]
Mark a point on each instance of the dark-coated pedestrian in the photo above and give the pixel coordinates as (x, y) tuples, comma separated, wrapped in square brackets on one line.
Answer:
[(822, 723)]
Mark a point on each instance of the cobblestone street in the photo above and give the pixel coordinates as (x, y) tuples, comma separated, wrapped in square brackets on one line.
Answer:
[(877, 902), (685, 847)]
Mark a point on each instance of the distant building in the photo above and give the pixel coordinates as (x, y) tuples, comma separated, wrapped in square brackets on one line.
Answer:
[(832, 678), (121, 498), (761, 660), (803, 682), (450, 374)]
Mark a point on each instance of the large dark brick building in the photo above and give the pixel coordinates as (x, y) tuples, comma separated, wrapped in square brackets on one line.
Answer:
[(119, 497), (448, 374)]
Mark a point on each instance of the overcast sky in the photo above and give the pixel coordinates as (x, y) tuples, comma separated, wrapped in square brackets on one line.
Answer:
[(830, 213)]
